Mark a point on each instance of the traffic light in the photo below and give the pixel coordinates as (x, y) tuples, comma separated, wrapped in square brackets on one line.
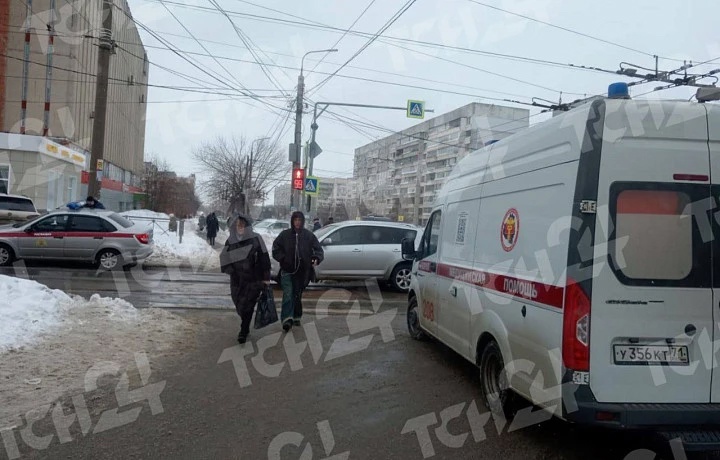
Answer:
[(298, 178)]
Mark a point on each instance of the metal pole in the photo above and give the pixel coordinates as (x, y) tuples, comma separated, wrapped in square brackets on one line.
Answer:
[(295, 194), (314, 128), (98, 136)]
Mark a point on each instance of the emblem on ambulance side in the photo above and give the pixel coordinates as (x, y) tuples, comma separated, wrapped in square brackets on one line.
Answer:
[(510, 230)]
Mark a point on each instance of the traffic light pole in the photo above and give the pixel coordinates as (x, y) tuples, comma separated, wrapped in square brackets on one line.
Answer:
[(294, 193)]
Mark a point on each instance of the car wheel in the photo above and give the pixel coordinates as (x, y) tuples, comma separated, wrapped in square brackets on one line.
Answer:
[(400, 278), (413, 321), (109, 259), (494, 383), (7, 255)]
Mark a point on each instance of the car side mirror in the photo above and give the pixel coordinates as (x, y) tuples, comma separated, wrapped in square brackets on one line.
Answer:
[(408, 249), (29, 229), (327, 242)]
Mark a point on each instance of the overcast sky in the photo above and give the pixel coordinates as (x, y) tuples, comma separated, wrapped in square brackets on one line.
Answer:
[(622, 30)]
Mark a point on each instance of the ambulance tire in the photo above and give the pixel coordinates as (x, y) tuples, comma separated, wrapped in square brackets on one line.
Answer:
[(413, 321), (494, 384)]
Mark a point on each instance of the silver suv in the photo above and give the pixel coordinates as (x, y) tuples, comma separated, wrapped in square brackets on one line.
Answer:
[(366, 249)]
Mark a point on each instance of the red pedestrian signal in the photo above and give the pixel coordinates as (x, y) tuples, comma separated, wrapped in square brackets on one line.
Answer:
[(298, 178)]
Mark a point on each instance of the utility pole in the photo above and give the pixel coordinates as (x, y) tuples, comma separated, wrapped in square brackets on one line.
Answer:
[(105, 49), (295, 156), (295, 194)]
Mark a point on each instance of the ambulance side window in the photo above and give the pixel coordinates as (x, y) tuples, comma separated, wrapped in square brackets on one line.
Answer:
[(431, 237)]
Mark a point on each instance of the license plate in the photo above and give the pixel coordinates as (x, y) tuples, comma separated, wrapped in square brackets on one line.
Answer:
[(651, 354)]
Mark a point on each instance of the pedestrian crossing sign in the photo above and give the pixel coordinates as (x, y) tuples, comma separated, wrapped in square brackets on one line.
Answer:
[(416, 109), (312, 185)]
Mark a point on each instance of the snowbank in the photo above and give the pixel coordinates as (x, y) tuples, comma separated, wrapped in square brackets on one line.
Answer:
[(193, 250), (49, 340), (28, 309)]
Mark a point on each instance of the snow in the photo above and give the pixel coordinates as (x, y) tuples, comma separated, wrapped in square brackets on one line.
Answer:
[(193, 250), (49, 340), (28, 309)]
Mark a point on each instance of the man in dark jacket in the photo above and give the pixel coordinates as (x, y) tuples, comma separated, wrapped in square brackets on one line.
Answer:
[(246, 260), (92, 203), (213, 225), (316, 224), (298, 251)]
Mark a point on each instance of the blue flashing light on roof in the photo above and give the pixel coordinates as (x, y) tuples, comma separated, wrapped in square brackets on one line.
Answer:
[(618, 91)]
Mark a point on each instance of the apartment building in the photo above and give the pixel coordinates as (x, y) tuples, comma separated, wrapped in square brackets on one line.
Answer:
[(398, 176), (48, 64), (337, 197)]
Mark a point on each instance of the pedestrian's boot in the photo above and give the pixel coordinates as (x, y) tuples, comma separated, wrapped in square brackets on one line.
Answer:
[(296, 321), (242, 337), (287, 324)]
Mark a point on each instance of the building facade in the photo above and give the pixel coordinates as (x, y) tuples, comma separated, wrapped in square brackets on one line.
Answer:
[(399, 176), (40, 169), (336, 198), (48, 64)]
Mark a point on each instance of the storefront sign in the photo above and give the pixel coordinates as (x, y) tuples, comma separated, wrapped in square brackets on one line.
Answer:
[(52, 149)]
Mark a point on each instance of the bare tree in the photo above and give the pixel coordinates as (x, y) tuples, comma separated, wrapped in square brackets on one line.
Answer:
[(239, 172)]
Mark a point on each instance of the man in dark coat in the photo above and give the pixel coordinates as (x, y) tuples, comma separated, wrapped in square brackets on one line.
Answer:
[(298, 251), (92, 203), (245, 258), (316, 224), (212, 228)]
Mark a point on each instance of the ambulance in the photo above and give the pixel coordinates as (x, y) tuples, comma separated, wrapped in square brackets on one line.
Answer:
[(575, 264)]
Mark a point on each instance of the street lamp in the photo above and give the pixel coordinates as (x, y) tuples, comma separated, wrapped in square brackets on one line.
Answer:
[(302, 61), (295, 147)]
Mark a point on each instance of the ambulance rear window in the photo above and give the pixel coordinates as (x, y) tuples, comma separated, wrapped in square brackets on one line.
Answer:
[(655, 238)]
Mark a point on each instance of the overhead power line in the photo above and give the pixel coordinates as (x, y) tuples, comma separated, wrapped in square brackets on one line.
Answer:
[(265, 105), (372, 39), (389, 40), (248, 44), (582, 34), (335, 45), (371, 80)]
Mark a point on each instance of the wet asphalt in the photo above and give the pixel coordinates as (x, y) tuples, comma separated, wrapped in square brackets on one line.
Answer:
[(334, 388)]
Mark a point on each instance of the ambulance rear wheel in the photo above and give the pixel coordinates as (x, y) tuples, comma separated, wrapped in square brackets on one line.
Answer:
[(494, 384), (413, 320)]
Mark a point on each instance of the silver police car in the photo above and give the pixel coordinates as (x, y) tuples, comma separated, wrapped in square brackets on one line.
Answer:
[(85, 235)]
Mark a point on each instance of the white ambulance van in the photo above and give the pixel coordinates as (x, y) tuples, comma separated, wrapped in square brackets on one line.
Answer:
[(575, 264)]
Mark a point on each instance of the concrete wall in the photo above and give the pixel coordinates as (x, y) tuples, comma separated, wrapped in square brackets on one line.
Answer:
[(72, 76)]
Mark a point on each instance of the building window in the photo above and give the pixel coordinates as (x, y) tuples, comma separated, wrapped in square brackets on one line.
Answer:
[(52, 185), (5, 179), (72, 189)]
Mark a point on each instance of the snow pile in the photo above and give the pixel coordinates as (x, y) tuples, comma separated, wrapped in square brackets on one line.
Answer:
[(49, 341), (194, 249), (28, 309)]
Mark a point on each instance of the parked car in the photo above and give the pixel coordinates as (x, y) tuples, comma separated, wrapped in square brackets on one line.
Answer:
[(16, 208), (271, 226), (366, 249), (102, 237)]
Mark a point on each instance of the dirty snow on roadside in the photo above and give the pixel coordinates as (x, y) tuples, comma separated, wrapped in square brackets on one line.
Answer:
[(194, 249), (49, 340)]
